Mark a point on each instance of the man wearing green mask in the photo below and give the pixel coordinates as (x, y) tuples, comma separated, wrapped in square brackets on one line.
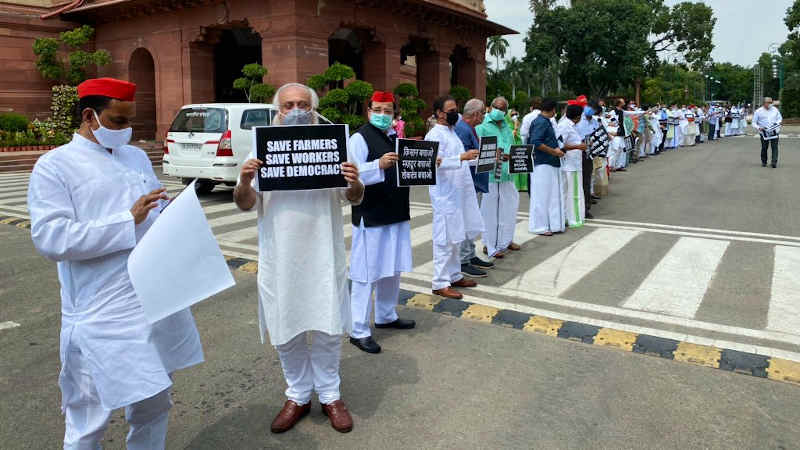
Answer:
[(381, 247), (499, 206)]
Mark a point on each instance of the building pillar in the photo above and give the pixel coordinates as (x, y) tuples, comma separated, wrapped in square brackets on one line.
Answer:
[(433, 76), (293, 58)]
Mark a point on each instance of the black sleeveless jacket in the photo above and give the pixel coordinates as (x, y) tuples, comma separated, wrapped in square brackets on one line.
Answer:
[(384, 203)]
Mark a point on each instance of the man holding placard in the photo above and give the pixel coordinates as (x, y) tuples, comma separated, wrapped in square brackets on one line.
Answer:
[(472, 116), (767, 122), (91, 202), (456, 216), (302, 270), (381, 247), (571, 164), (499, 206)]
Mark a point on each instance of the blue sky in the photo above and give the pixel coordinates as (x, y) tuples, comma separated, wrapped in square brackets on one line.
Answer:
[(744, 29)]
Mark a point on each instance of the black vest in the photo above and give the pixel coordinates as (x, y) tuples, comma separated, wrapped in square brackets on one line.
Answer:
[(384, 203)]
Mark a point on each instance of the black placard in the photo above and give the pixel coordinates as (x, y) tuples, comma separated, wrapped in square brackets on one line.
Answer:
[(488, 154), (301, 157), (599, 141), (521, 161), (628, 143), (416, 162)]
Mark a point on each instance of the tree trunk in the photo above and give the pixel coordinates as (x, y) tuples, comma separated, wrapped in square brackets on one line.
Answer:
[(638, 90)]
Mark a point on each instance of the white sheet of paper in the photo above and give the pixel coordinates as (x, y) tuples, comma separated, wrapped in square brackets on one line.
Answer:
[(178, 261)]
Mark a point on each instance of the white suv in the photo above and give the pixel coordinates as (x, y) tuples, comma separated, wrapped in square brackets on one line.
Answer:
[(210, 141)]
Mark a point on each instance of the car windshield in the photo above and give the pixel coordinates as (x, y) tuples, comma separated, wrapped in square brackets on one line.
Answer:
[(256, 118), (201, 120)]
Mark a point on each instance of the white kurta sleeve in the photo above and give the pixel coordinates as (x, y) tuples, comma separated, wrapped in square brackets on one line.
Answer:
[(778, 117), (451, 163), (369, 172), (59, 236)]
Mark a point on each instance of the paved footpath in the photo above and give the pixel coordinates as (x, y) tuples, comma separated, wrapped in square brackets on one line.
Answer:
[(697, 246)]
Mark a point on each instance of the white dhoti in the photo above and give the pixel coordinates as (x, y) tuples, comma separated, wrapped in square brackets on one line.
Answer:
[(499, 211), (575, 206), (86, 419), (311, 368), (547, 210)]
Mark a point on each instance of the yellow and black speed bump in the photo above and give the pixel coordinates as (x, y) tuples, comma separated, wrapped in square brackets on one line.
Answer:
[(16, 221), (731, 360)]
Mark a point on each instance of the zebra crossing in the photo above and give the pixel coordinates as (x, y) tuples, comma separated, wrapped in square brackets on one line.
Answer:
[(660, 278)]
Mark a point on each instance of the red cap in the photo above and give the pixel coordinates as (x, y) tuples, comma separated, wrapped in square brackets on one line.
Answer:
[(382, 97), (573, 102), (107, 87), (582, 100)]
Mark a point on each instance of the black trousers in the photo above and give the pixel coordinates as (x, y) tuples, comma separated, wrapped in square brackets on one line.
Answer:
[(587, 167), (712, 129), (764, 145)]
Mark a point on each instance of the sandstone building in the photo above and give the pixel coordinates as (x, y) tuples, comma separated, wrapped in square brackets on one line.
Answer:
[(190, 51)]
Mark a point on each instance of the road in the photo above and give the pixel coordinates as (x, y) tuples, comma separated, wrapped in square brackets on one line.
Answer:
[(699, 245)]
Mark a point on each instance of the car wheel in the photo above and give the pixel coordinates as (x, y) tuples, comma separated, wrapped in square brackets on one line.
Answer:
[(203, 186)]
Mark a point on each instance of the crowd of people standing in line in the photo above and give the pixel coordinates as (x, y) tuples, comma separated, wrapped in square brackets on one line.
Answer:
[(305, 303)]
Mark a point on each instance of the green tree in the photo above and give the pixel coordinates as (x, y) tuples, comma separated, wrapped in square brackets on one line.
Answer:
[(461, 94), (340, 100), (65, 59), (597, 50), (410, 106), (252, 85), (497, 45)]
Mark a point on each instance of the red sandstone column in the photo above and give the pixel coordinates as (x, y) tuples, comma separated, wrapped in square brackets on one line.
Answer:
[(433, 71)]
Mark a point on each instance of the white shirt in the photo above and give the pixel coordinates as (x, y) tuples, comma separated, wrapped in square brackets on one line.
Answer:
[(382, 251), (79, 197), (456, 215), (525, 128), (572, 159), (763, 118), (302, 264)]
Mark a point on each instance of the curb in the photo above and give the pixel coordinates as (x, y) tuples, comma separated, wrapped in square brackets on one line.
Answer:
[(760, 366)]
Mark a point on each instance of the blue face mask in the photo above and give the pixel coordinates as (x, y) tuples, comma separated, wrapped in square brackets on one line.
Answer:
[(497, 115), (380, 121)]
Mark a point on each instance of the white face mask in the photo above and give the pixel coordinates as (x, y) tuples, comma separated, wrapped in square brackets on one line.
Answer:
[(112, 139)]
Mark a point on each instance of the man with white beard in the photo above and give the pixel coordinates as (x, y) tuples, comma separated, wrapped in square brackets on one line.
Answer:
[(302, 230)]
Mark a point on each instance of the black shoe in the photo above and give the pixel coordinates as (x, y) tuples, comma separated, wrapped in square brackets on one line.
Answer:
[(366, 344), (472, 271), (399, 324), (774, 165), (481, 264), (589, 215), (763, 164), (594, 202), (595, 197)]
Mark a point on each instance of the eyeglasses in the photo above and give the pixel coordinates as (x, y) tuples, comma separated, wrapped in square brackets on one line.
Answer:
[(388, 111), (291, 105)]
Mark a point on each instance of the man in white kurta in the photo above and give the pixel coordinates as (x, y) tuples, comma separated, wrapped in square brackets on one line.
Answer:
[(499, 206), (767, 117), (302, 274), (91, 201), (733, 126), (571, 165), (456, 216), (381, 247)]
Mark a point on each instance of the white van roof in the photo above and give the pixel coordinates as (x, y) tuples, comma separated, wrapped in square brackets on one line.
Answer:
[(230, 105)]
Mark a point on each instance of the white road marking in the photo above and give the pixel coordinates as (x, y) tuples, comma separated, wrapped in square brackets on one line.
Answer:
[(784, 303), (240, 235), (11, 197), (705, 230), (249, 216), (13, 188), (617, 311), (8, 324), (228, 206), (521, 233), (699, 340), (679, 281), (559, 272), (421, 234), (699, 235)]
